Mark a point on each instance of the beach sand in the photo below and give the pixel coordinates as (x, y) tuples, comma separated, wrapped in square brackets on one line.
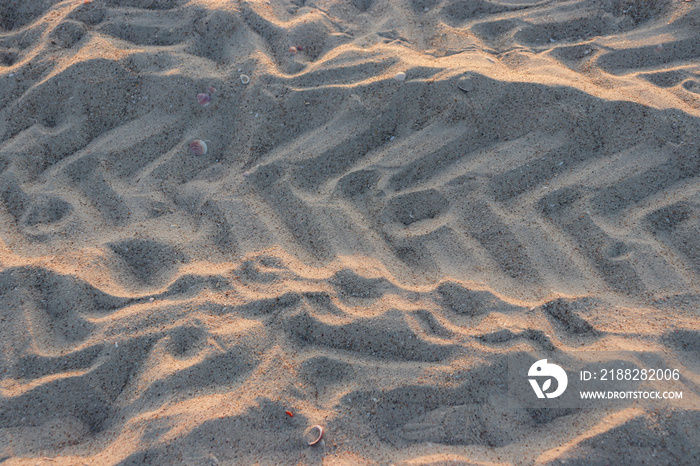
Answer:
[(359, 247)]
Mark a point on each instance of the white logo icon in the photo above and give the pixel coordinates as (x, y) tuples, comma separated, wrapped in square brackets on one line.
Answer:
[(542, 369)]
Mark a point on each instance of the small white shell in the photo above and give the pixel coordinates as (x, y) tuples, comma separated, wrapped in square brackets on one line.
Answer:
[(245, 79), (198, 148), (203, 99), (308, 432), (400, 76)]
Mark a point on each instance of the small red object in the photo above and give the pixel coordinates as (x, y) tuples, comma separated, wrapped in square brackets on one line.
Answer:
[(289, 413)]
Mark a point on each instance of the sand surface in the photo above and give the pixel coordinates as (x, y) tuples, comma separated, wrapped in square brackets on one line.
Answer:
[(359, 250)]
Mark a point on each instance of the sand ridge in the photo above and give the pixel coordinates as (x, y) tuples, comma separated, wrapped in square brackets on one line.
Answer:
[(358, 250)]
